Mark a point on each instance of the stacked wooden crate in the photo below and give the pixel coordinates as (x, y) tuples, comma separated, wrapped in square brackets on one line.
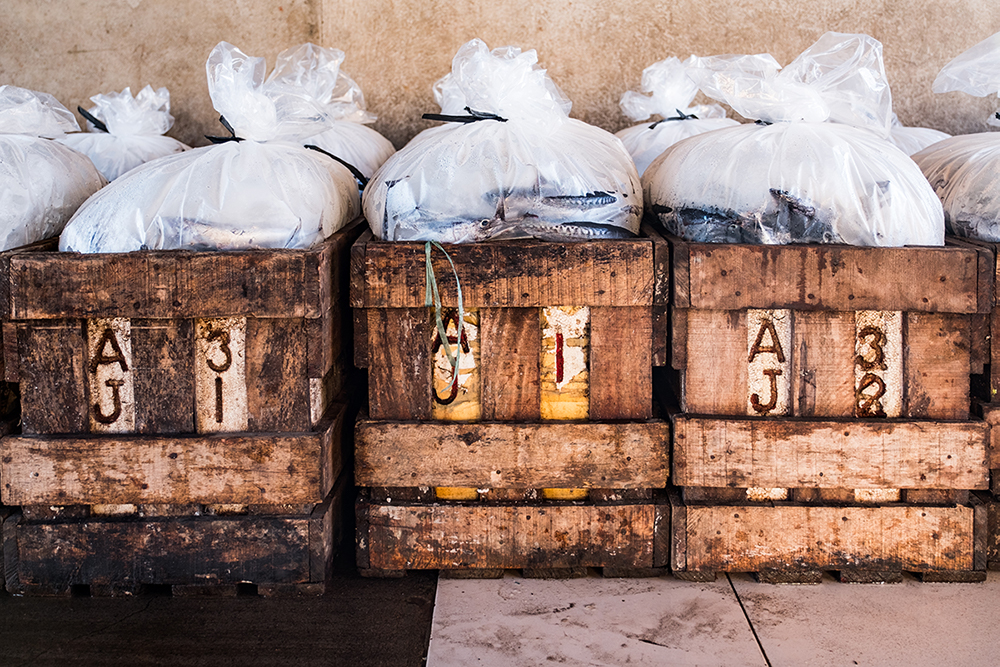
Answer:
[(542, 452), (182, 417), (824, 411)]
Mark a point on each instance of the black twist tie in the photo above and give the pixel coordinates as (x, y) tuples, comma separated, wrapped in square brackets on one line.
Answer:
[(97, 123), (358, 176), (471, 118), (680, 116), (762, 122), (232, 133), (997, 114)]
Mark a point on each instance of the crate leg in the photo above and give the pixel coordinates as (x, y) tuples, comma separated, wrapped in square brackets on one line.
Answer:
[(952, 576), (554, 572), (859, 576), (696, 576), (471, 573), (796, 576), (625, 572), (376, 573)]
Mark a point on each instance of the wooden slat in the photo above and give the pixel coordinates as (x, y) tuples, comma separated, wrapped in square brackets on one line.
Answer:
[(201, 550), (828, 454), (937, 366), (823, 364), (715, 381), (827, 277), (621, 364), (509, 344), (661, 295), (680, 270), (754, 538), (399, 363), (53, 377), (360, 321), (504, 455), (491, 536), (277, 378), (357, 269), (11, 365), (513, 274), (218, 469), (164, 377), (323, 341)]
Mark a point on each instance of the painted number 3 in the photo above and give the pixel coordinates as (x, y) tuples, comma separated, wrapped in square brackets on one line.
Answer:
[(870, 404), (222, 337)]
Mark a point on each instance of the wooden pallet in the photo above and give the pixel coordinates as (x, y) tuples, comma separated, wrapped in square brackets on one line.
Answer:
[(279, 554), (789, 542), (168, 342), (408, 529)]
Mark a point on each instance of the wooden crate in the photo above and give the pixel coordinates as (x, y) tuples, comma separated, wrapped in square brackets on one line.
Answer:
[(278, 553), (795, 542), (169, 342)]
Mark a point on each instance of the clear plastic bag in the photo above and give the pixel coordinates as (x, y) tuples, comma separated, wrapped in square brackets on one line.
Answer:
[(818, 169), (315, 71), (524, 170), (133, 131), (976, 72), (42, 182), (965, 173), (264, 191), (670, 93), (911, 140)]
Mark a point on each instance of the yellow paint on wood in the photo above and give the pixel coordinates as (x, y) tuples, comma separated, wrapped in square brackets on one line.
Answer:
[(564, 494), (461, 400), (456, 493), (564, 363)]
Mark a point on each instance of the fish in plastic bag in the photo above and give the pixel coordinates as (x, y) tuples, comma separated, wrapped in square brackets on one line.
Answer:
[(125, 131), (315, 70), (262, 189), (965, 170), (671, 92), (510, 163), (42, 182), (817, 166)]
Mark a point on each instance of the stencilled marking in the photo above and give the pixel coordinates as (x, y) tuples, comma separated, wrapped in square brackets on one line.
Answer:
[(878, 363), (112, 390), (457, 396), (220, 387), (769, 344), (564, 363)]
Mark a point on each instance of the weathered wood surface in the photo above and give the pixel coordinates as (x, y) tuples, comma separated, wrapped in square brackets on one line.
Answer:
[(512, 274), (176, 283), (621, 363), (399, 363), (261, 468), (510, 363), (746, 538), (418, 537), (713, 276), (205, 550), (746, 452), (512, 455)]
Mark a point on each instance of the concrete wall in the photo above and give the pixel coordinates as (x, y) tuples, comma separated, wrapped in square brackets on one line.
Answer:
[(594, 50)]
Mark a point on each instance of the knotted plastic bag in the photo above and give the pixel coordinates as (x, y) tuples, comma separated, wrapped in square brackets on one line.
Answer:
[(129, 131), (817, 168), (315, 71), (671, 92), (965, 170), (262, 189), (511, 163), (42, 182)]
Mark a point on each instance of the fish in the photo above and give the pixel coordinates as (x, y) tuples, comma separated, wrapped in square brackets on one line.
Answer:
[(583, 230)]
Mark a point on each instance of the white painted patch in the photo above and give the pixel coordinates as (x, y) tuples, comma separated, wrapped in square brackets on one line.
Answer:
[(769, 362), (220, 387), (110, 374), (443, 377), (113, 510), (762, 494), (876, 495), (572, 323), (878, 363), (319, 398)]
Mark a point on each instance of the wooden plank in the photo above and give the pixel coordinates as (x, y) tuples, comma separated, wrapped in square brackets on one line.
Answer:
[(399, 363), (828, 277), (513, 274), (11, 362), (937, 366), (360, 318), (218, 469), (164, 375), (680, 272), (122, 552), (678, 338), (753, 538), (621, 364), (823, 364), (509, 341), (512, 455), (716, 339), (829, 454), (979, 343), (497, 536), (357, 269), (323, 342), (678, 533), (661, 296), (53, 377), (276, 365)]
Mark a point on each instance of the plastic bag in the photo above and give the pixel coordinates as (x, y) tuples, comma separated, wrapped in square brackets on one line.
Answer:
[(818, 170), (517, 166), (671, 92), (976, 72), (42, 182), (263, 190), (911, 140), (132, 133), (315, 70)]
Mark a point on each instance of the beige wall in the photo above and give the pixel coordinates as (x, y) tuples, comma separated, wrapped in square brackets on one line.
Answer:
[(397, 48)]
